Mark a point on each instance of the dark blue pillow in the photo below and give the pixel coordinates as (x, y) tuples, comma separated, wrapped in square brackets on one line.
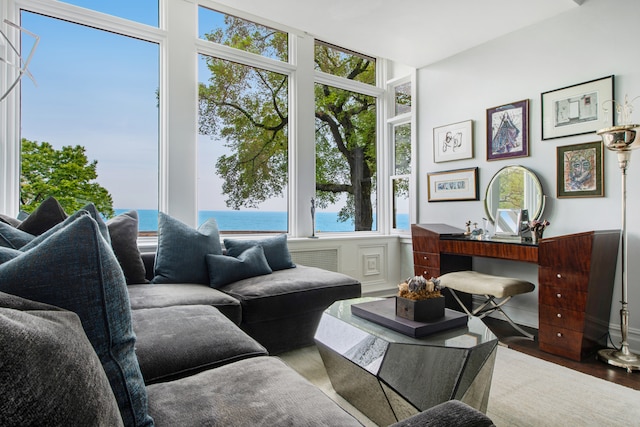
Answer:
[(45, 216), (182, 250), (7, 254), (11, 237), (275, 250), (75, 269), (225, 269), (89, 209)]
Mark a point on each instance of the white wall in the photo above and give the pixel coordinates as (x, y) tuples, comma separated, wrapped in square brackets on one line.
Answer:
[(593, 41)]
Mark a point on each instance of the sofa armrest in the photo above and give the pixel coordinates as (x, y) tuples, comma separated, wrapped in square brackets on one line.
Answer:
[(452, 413)]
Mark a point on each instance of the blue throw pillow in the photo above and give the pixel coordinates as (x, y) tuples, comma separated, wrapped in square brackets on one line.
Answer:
[(181, 253), (11, 237), (7, 254), (225, 269), (75, 269), (275, 250), (89, 209)]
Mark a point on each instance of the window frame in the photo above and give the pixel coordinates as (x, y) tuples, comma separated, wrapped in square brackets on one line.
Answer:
[(177, 115)]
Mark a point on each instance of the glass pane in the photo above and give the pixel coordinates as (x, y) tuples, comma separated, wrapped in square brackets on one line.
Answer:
[(345, 160), (97, 95), (342, 63), (403, 98), (241, 34), (143, 11), (402, 142), (401, 204), (242, 146)]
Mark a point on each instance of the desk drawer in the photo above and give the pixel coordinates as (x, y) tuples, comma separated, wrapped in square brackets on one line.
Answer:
[(562, 298), (426, 271), (559, 341), (561, 278), (427, 259), (561, 317)]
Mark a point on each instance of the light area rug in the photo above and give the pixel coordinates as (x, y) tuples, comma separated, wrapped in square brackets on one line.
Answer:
[(525, 392)]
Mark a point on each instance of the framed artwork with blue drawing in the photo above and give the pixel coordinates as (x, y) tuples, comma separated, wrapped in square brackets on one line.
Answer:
[(453, 185), (580, 170), (508, 131), (453, 142)]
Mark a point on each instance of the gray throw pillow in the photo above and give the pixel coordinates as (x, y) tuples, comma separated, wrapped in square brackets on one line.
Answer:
[(75, 269), (9, 220), (11, 237), (123, 230), (50, 373), (45, 216), (180, 257), (275, 250), (225, 269), (7, 254)]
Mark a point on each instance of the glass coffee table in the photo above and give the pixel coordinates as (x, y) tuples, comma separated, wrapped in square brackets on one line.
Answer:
[(390, 376)]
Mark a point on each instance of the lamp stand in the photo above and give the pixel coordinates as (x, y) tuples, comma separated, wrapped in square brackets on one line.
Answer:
[(622, 139)]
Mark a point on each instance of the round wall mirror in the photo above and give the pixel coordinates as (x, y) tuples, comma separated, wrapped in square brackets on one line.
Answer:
[(514, 187)]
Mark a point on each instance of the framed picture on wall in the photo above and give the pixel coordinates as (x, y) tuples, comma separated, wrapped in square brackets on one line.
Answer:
[(453, 142), (580, 170), (577, 109), (508, 131), (453, 185)]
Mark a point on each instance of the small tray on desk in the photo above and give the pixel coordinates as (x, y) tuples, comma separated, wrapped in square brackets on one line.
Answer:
[(383, 312)]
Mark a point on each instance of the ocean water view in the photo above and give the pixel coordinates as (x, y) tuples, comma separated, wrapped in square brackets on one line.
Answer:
[(256, 220)]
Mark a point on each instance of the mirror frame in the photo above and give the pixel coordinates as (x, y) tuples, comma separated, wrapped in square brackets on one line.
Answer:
[(541, 197)]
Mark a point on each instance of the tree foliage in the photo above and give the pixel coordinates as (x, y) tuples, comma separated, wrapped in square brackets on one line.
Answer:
[(246, 108), (65, 174)]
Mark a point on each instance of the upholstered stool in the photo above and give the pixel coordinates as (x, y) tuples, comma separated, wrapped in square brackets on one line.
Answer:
[(491, 287)]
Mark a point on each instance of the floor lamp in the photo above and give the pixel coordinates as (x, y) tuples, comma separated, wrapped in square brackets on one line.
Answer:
[(622, 139)]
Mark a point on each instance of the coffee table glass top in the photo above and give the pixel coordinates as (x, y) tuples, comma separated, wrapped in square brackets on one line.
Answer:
[(474, 334)]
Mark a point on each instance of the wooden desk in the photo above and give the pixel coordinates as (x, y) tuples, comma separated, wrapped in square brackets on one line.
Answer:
[(576, 273)]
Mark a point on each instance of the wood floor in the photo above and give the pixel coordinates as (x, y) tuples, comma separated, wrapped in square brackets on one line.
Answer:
[(590, 366)]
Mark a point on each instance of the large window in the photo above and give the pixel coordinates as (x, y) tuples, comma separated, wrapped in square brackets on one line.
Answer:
[(346, 144), (89, 128), (237, 119)]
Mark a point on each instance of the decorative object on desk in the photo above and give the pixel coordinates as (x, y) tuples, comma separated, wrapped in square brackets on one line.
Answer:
[(453, 142), (580, 170), (622, 139), (508, 131), (468, 228), (575, 110), (420, 299), (537, 229), (453, 185)]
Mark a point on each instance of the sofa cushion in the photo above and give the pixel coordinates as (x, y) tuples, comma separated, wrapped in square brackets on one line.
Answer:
[(225, 269), (123, 230), (11, 237), (45, 216), (180, 257), (286, 293), (174, 342), (76, 269), (260, 391), (50, 373), (275, 250), (171, 294)]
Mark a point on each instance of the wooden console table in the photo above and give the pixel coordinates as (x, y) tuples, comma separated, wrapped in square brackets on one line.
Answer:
[(576, 274)]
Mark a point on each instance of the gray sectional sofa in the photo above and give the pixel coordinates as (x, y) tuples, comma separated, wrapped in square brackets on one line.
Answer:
[(80, 346)]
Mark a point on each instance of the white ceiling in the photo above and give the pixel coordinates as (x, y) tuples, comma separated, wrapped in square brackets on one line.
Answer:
[(412, 32)]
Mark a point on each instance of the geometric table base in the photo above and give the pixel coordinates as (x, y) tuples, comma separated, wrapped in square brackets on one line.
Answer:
[(390, 377)]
